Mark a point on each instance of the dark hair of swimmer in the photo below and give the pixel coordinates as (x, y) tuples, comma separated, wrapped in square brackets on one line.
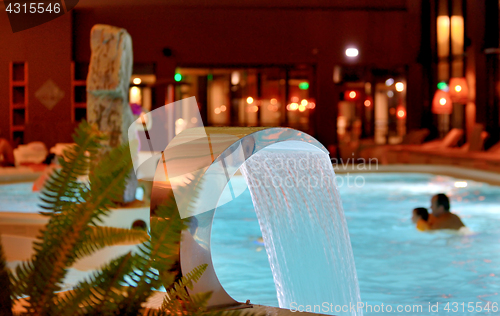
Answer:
[(442, 199), (422, 212)]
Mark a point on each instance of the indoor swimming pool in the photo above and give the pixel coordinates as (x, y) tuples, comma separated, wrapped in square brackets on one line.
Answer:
[(395, 263)]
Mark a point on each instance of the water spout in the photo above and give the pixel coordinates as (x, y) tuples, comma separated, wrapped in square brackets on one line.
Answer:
[(291, 181)]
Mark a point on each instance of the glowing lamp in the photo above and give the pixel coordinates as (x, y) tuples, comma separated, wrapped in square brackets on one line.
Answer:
[(401, 112), (442, 104), (137, 80), (459, 91), (351, 52), (400, 86), (368, 102), (351, 95), (249, 100)]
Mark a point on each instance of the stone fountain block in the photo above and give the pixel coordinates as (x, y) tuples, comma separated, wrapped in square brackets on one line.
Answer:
[(107, 89)]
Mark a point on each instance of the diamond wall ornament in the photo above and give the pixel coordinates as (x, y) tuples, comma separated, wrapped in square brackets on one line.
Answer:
[(49, 94)]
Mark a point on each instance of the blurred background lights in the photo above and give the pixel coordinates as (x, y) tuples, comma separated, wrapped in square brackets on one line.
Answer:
[(249, 100), (217, 111), (222, 108), (274, 101), (304, 85), (302, 108), (399, 86), (177, 77), (351, 52), (137, 81), (368, 103), (442, 101), (390, 94), (389, 82), (460, 184), (352, 94), (442, 86), (235, 78), (194, 120), (458, 88), (304, 102), (295, 99)]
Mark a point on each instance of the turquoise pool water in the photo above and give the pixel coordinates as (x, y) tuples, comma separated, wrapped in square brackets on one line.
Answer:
[(395, 263)]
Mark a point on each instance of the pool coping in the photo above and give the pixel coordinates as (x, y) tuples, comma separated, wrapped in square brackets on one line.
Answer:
[(489, 177)]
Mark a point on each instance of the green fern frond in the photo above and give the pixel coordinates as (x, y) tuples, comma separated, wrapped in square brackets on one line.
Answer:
[(100, 294), (157, 254), (100, 236), (62, 186), (67, 229)]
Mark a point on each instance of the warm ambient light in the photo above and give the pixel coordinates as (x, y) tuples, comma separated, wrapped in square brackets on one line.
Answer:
[(460, 184), (292, 106), (217, 111), (222, 108), (352, 94), (137, 81), (368, 103), (459, 91), (274, 101), (302, 108), (441, 103), (311, 105), (351, 52), (249, 100), (401, 112), (304, 102), (235, 78), (399, 86)]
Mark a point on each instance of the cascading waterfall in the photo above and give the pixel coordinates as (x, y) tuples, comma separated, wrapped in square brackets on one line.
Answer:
[(304, 229)]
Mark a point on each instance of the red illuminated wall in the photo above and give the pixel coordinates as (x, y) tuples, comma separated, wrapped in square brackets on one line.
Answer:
[(47, 49)]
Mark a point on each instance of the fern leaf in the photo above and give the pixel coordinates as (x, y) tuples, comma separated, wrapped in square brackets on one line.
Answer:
[(100, 237), (62, 184)]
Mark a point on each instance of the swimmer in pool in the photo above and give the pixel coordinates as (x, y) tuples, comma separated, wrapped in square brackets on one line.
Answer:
[(420, 218), (441, 217)]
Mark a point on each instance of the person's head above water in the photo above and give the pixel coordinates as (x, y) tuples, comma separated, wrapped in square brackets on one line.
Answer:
[(440, 204), (420, 213)]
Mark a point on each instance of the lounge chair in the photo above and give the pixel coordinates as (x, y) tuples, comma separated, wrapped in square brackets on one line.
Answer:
[(449, 156), (371, 150), (414, 153)]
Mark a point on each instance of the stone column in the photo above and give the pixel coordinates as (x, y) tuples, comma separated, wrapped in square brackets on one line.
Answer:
[(107, 89)]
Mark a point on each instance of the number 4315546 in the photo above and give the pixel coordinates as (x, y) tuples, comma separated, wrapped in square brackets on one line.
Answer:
[(33, 8), (470, 307)]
